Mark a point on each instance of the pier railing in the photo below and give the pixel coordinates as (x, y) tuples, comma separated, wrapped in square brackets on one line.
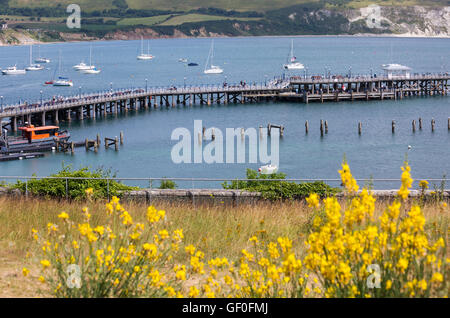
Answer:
[(216, 183), (113, 95), (280, 85)]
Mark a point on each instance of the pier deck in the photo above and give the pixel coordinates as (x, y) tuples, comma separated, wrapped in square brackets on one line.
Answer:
[(298, 89)]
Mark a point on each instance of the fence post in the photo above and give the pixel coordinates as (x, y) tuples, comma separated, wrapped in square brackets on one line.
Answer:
[(26, 188), (150, 195), (67, 188), (193, 200)]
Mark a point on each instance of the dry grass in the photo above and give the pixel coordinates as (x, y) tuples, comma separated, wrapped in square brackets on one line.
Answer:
[(217, 231)]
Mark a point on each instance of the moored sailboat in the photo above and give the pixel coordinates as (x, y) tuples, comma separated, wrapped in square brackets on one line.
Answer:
[(292, 63), (144, 56), (212, 69)]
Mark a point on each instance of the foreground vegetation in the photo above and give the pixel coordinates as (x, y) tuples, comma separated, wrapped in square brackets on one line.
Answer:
[(354, 248)]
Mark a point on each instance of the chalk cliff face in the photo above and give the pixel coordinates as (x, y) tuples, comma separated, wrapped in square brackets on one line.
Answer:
[(406, 21)]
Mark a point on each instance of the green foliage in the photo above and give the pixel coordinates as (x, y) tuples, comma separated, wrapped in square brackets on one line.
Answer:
[(76, 187), (280, 190), (168, 184)]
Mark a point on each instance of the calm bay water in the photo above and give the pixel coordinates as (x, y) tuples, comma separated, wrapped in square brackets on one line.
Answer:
[(376, 153)]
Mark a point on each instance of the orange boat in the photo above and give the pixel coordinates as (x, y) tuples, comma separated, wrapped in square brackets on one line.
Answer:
[(33, 138)]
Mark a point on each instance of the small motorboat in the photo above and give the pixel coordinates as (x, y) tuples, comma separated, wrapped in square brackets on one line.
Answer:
[(268, 169), (42, 60), (12, 70), (183, 60), (49, 82), (192, 64)]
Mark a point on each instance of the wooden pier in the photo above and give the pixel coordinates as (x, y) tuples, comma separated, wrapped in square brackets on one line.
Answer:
[(297, 89)]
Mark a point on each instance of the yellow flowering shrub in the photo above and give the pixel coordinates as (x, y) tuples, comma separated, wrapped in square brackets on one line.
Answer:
[(349, 251), (354, 254), (118, 259)]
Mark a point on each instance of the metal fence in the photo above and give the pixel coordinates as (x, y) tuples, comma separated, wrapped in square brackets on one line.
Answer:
[(212, 183)]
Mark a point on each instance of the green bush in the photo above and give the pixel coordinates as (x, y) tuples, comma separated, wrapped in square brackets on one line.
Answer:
[(76, 187), (280, 190), (168, 184)]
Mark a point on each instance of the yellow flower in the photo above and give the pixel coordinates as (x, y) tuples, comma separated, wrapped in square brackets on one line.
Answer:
[(163, 234), (388, 284), (25, 271), (193, 292), (406, 181), (89, 191), (45, 263), (437, 278), (190, 249), (402, 264), (42, 279), (313, 200), (63, 215), (423, 184), (347, 178)]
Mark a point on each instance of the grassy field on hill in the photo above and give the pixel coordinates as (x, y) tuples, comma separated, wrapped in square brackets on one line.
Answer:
[(238, 5)]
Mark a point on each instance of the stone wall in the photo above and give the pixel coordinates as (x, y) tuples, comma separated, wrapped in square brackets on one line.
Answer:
[(219, 196)]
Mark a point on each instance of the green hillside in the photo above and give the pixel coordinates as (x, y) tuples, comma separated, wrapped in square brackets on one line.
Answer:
[(186, 5), (114, 19)]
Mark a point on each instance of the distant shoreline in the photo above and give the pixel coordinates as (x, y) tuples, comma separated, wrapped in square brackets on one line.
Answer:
[(365, 35)]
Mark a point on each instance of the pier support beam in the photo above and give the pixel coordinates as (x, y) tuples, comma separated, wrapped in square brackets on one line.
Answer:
[(43, 119), (56, 117), (14, 123)]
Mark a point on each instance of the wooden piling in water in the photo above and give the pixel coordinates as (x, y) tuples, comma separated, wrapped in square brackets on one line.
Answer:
[(433, 122), (326, 126), (448, 123), (121, 137), (112, 141), (414, 125), (420, 123), (98, 139), (393, 126), (321, 128), (359, 128), (306, 127)]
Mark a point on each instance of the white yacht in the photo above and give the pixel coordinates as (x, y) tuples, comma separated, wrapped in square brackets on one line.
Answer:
[(41, 59), (13, 70), (83, 66), (33, 67), (292, 61), (144, 56), (209, 67), (62, 81), (91, 69)]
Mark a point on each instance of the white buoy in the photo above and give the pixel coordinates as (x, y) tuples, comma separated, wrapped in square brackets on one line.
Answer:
[(409, 147)]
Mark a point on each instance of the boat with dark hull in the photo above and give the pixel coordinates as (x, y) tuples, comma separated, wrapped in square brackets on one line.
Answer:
[(33, 139)]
